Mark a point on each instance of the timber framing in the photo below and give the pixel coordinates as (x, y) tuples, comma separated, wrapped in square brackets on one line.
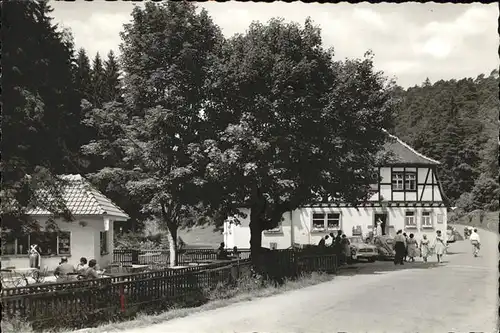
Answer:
[(416, 204)]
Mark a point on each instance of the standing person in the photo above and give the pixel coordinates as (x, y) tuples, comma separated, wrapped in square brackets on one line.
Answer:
[(439, 246), (330, 240), (338, 247), (322, 241), (399, 248), (379, 228), (346, 249), (412, 247), (476, 242), (406, 246), (425, 249)]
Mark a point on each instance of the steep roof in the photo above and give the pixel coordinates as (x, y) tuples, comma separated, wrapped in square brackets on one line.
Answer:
[(401, 153), (84, 199)]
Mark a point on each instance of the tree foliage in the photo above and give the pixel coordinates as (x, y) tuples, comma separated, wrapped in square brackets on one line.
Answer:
[(39, 113), (296, 126), (155, 134), (456, 122)]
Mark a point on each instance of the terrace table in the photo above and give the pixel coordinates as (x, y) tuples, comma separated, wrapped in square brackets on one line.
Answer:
[(24, 274)]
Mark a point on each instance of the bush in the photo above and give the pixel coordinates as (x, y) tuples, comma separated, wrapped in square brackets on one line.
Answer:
[(137, 241)]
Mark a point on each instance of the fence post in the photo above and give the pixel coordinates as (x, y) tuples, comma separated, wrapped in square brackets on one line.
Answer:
[(135, 257)]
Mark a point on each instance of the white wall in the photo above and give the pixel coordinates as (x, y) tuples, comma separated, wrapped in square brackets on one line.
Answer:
[(84, 243), (239, 235)]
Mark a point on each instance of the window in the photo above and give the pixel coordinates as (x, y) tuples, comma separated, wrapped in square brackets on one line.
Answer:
[(46, 241), (410, 219), (322, 221), (404, 181), (410, 181), (104, 242), (49, 243), (426, 220), (397, 181), (63, 242)]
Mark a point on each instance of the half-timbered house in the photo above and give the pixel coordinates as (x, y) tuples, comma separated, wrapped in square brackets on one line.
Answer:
[(407, 196)]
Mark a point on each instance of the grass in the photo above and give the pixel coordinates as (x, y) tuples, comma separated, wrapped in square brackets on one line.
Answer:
[(246, 290), (201, 235)]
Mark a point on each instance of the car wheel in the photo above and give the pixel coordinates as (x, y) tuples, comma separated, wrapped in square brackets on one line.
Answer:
[(371, 259)]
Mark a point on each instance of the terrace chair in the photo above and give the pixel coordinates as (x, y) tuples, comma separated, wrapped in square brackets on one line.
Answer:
[(40, 275)]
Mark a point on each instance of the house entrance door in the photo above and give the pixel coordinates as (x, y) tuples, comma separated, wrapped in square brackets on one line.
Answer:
[(383, 218)]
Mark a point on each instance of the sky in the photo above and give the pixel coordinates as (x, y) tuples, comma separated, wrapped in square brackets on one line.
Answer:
[(410, 41)]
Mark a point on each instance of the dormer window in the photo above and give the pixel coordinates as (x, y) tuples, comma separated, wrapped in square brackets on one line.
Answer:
[(404, 181)]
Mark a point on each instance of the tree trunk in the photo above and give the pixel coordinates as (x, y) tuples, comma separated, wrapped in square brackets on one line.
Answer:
[(172, 243), (256, 226), (255, 236)]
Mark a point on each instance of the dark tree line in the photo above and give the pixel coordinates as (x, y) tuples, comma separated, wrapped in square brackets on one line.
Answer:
[(456, 123)]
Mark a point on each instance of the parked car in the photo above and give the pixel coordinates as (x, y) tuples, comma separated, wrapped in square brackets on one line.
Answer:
[(361, 250), (450, 234), (385, 247)]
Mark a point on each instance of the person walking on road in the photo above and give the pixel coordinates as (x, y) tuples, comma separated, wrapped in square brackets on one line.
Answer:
[(476, 242), (425, 250), (399, 247), (412, 246), (439, 246)]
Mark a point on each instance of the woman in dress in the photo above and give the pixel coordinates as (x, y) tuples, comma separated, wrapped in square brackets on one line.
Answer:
[(425, 249), (439, 246), (412, 247)]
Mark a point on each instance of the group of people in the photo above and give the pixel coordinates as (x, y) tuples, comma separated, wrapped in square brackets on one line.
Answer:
[(65, 271), (223, 254), (340, 244), (407, 248)]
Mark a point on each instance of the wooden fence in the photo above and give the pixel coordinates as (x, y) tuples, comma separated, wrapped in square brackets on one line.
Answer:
[(83, 303), (147, 257)]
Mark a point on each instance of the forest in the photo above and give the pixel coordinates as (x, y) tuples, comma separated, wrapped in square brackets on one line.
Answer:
[(456, 122), (132, 124)]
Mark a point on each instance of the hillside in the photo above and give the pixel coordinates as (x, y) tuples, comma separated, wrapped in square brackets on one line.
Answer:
[(456, 122)]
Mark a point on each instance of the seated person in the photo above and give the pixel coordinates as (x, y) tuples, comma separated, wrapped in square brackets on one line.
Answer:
[(82, 265), (61, 272), (221, 252), (90, 272)]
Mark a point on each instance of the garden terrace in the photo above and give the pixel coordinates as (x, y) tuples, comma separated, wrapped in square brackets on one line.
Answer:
[(91, 302)]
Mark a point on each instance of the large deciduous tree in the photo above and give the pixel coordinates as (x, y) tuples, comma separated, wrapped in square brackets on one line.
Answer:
[(297, 127), (155, 134)]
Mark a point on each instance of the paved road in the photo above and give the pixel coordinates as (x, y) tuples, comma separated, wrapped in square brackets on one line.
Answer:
[(459, 295)]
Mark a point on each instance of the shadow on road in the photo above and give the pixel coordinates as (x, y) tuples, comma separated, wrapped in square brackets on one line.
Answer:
[(383, 267)]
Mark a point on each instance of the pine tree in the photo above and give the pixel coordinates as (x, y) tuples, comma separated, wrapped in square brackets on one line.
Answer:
[(97, 82), (39, 110), (112, 90), (83, 75)]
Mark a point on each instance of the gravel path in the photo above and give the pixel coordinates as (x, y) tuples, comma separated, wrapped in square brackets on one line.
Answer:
[(459, 295)]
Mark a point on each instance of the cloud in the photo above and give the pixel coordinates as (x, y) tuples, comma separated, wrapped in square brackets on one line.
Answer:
[(410, 41), (367, 15)]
